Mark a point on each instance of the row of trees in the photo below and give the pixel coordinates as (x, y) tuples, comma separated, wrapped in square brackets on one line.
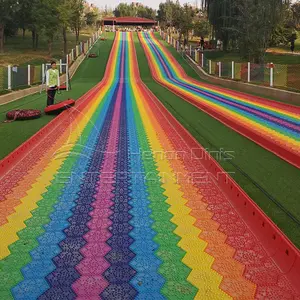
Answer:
[(134, 10), (45, 18), (250, 26)]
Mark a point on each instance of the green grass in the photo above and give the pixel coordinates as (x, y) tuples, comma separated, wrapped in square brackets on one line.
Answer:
[(287, 48), (268, 180), (276, 58), (19, 51), (88, 74)]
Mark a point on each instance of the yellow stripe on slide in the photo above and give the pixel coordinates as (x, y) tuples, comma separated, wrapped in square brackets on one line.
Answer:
[(8, 232), (202, 275)]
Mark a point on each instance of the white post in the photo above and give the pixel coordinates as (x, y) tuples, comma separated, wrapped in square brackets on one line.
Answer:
[(28, 75), (202, 60), (209, 70), (232, 70), (43, 73), (9, 77), (72, 55), (67, 59), (271, 74), (249, 71), (220, 69), (67, 77), (190, 50), (60, 66)]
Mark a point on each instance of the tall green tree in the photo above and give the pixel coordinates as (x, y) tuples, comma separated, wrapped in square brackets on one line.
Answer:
[(24, 15), (46, 16), (185, 20), (65, 13), (247, 23), (8, 9), (77, 17), (296, 14)]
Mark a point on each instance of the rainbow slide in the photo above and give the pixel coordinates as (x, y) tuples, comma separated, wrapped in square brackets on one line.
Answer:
[(114, 200), (273, 125)]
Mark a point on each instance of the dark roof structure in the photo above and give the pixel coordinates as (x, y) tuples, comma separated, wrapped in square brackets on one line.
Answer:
[(128, 21)]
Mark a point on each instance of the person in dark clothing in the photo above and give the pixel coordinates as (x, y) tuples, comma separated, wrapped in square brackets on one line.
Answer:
[(202, 43), (52, 81), (292, 45)]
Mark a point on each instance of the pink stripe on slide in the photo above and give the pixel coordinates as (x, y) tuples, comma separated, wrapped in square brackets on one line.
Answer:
[(92, 283)]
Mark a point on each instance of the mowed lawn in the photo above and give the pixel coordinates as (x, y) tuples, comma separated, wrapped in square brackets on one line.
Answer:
[(18, 51), (276, 57), (271, 182), (89, 73)]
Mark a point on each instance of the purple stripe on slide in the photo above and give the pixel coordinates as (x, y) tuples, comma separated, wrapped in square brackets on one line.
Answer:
[(92, 283)]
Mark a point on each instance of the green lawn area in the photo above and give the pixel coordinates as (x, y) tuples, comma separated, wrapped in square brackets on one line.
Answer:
[(88, 74), (288, 48), (271, 182), (19, 51), (276, 58)]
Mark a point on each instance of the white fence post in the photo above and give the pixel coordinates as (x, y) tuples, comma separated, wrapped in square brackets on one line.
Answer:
[(67, 76), (202, 60), (9, 77), (232, 69), (190, 50), (43, 73), (72, 55), (220, 69), (28, 75), (271, 74), (249, 71), (209, 69), (60, 66)]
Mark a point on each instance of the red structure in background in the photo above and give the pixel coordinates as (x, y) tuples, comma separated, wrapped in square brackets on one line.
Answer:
[(128, 21)]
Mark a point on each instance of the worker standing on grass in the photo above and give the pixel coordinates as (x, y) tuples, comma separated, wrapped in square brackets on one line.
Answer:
[(52, 82)]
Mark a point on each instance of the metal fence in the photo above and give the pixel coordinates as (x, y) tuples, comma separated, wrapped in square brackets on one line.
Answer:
[(272, 75), (18, 77)]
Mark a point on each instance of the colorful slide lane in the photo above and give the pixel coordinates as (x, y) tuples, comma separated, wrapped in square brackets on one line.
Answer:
[(118, 204), (273, 125)]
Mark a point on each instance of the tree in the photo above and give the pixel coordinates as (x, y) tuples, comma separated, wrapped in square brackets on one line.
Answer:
[(161, 15), (46, 16), (248, 23), (133, 10), (185, 20), (296, 14), (7, 12), (77, 17), (24, 15), (256, 22), (65, 13), (285, 28), (90, 18), (201, 26)]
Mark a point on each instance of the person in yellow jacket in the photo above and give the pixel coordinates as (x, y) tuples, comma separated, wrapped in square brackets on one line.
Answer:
[(52, 82)]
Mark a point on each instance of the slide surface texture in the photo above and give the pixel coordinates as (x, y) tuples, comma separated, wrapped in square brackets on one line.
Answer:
[(273, 125), (112, 200)]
